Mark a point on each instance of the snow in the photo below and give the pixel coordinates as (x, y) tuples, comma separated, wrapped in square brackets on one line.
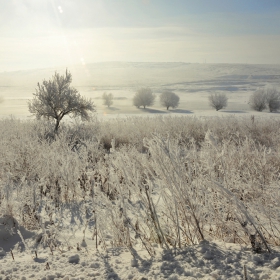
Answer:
[(206, 260), (2, 252)]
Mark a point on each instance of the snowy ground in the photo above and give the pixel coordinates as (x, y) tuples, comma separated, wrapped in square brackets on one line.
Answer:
[(207, 260)]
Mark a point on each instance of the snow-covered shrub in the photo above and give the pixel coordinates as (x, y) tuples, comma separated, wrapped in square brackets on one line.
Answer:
[(218, 101), (169, 99), (107, 99), (55, 98), (273, 99), (172, 181), (258, 100), (144, 97)]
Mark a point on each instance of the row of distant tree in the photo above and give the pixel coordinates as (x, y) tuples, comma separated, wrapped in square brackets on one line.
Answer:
[(145, 97), (55, 98), (259, 100), (265, 98)]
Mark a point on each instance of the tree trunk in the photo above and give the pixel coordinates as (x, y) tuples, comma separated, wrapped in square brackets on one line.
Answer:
[(56, 125)]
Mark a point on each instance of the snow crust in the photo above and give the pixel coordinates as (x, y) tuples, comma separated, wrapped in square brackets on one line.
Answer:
[(207, 260)]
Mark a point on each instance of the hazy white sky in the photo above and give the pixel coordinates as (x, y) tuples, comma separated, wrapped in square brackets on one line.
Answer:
[(49, 33)]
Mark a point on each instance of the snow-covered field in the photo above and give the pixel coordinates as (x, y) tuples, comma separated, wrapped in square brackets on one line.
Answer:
[(185, 194), (192, 82)]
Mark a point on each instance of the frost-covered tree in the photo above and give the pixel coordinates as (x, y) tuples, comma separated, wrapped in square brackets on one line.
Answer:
[(273, 99), (257, 100), (55, 98), (143, 97), (107, 99), (169, 99), (218, 101)]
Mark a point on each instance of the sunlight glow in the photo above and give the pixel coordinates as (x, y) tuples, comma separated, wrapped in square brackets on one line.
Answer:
[(60, 9), (82, 61), (83, 32)]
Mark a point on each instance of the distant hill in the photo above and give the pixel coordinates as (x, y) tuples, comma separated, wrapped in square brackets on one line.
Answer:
[(134, 74)]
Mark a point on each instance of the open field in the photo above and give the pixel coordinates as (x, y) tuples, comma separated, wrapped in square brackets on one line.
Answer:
[(192, 82)]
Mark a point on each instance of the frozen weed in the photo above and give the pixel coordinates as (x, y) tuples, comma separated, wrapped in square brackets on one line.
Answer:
[(169, 180)]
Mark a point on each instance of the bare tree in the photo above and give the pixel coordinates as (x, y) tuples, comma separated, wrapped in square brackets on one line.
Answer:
[(143, 97), (258, 100), (55, 98), (273, 99), (107, 99), (169, 99), (218, 101)]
